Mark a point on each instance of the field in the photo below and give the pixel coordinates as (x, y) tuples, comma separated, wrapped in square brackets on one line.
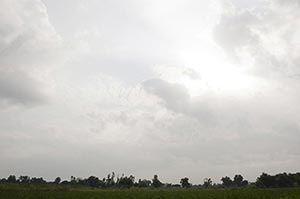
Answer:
[(290, 193)]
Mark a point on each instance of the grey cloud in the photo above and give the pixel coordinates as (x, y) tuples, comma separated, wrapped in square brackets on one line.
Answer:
[(17, 87), (175, 96), (29, 47)]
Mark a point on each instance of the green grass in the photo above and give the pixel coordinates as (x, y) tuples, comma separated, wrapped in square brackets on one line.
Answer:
[(291, 193), (49, 191)]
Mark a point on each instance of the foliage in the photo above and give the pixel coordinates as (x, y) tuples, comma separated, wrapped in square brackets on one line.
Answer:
[(278, 180), (156, 183), (152, 194), (185, 182)]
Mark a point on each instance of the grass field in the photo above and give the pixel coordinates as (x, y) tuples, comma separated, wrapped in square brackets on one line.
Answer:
[(291, 193)]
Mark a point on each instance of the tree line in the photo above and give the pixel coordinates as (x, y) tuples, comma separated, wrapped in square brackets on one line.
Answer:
[(113, 181)]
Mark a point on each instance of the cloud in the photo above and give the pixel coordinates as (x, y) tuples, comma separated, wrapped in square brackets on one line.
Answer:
[(265, 33), (135, 85), (17, 87), (29, 48), (174, 95)]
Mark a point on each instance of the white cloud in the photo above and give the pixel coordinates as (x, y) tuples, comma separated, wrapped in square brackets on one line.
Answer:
[(266, 31), (141, 87), (29, 48)]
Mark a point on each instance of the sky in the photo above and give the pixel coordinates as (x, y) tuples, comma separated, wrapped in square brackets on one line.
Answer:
[(175, 88)]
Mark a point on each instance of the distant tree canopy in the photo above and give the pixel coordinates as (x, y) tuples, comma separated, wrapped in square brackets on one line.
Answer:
[(207, 183), (238, 181), (57, 180), (156, 182), (278, 180), (185, 182), (226, 181), (263, 181)]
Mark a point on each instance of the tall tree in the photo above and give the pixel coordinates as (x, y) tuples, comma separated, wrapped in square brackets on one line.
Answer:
[(238, 180), (57, 180), (226, 181), (185, 182), (12, 179), (156, 182), (207, 182)]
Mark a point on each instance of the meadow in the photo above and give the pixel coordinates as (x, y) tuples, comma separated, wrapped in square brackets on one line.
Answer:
[(242, 193)]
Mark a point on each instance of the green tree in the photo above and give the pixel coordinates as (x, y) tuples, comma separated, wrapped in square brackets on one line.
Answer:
[(57, 180), (226, 181), (207, 182), (12, 179), (93, 181), (24, 179), (35, 180), (126, 182), (156, 182), (185, 182), (266, 180), (144, 183), (238, 180)]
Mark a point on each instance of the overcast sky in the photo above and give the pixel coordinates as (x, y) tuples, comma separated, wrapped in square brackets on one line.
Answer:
[(169, 87)]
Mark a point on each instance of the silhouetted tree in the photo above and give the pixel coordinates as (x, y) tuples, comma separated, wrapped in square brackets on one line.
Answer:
[(265, 180), (156, 182), (93, 181), (226, 181), (297, 179), (245, 183), (126, 182), (57, 180), (144, 183), (238, 180), (11, 179), (207, 182), (185, 182), (24, 179), (73, 180), (284, 180), (110, 180), (35, 180)]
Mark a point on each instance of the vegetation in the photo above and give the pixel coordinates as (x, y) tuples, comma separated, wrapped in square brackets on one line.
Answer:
[(126, 187), (281, 193), (281, 180)]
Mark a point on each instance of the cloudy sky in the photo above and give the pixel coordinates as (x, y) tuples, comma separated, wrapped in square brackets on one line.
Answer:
[(175, 88)]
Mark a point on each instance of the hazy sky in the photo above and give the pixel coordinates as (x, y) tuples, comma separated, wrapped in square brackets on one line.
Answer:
[(169, 87)]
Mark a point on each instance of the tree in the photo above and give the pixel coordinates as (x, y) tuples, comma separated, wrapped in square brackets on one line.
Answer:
[(265, 180), (12, 179), (245, 183), (126, 182), (238, 180), (110, 180), (57, 180), (144, 183), (93, 181), (226, 181), (185, 182), (35, 180), (284, 180), (24, 179), (297, 179), (73, 180), (156, 182), (207, 182)]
